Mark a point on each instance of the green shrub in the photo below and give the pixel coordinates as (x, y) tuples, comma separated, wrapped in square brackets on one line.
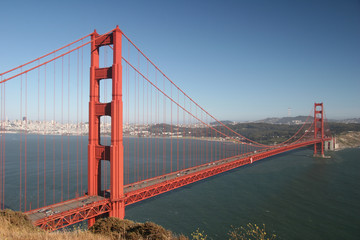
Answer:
[(113, 227), (250, 232), (148, 230)]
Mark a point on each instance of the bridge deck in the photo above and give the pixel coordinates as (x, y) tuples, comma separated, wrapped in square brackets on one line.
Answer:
[(151, 187), (59, 208), (54, 210), (69, 212), (171, 176)]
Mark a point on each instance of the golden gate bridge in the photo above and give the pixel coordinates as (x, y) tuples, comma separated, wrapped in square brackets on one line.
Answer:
[(146, 136)]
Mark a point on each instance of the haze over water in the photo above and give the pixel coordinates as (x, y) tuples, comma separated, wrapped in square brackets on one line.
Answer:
[(295, 195)]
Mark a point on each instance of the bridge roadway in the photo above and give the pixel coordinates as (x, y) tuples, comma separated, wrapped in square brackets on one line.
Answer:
[(65, 213)]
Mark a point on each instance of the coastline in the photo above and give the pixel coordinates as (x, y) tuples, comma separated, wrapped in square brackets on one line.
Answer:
[(347, 140), (126, 136)]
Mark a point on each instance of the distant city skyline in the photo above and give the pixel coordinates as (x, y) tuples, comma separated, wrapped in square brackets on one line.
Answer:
[(240, 60)]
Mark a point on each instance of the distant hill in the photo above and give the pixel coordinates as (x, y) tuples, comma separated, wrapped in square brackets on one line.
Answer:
[(290, 120), (349, 120), (224, 122), (286, 120), (301, 119)]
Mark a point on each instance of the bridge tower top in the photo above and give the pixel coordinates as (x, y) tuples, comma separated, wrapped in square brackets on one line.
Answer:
[(319, 120)]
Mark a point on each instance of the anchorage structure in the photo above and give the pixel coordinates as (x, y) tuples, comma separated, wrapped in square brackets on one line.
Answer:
[(114, 109)]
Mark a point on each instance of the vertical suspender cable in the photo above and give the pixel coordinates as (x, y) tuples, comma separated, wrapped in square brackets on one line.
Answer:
[(135, 155), (2, 139), (151, 141), (171, 132), (184, 137), (3, 152), (77, 124), (189, 141), (155, 129), (128, 114), (68, 133), (143, 124), (196, 160), (147, 120), (164, 129), (177, 133), (20, 160), (45, 137), (62, 130), (2, 145), (4, 160), (224, 145), (138, 121), (157, 122), (38, 142), (54, 125), (81, 119), (201, 135), (2, 132), (128, 120), (25, 150), (207, 140)]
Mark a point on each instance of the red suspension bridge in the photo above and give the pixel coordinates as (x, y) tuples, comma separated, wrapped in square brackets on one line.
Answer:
[(146, 136)]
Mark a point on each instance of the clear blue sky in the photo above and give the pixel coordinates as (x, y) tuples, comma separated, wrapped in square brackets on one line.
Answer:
[(251, 59)]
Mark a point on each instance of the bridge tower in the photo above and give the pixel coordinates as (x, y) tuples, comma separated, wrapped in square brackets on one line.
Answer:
[(114, 109), (319, 126)]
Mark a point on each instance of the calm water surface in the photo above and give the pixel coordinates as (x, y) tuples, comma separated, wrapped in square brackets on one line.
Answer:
[(295, 195)]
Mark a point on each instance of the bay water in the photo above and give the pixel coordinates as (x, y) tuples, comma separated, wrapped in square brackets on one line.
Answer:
[(296, 195)]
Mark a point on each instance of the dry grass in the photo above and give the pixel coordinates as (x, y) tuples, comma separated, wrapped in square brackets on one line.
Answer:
[(125, 229), (15, 226)]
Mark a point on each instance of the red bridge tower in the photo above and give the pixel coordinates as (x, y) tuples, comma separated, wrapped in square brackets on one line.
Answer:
[(114, 109), (319, 126)]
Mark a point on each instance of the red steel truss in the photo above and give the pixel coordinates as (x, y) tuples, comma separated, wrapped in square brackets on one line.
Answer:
[(171, 182), (73, 216), (218, 167)]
